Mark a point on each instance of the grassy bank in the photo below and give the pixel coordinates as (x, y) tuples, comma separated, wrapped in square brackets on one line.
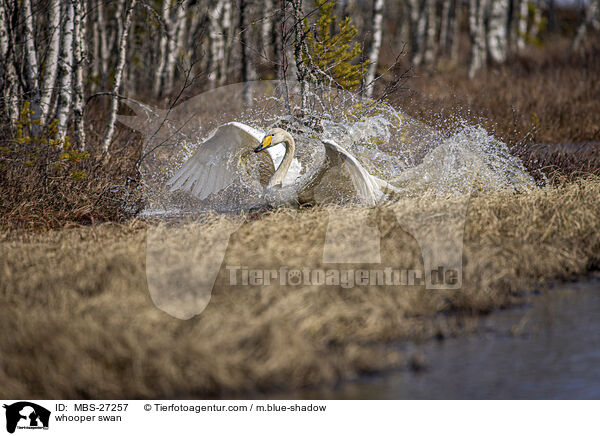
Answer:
[(541, 96), (77, 321)]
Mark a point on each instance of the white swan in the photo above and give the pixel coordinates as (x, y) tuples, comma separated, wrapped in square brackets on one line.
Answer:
[(213, 166)]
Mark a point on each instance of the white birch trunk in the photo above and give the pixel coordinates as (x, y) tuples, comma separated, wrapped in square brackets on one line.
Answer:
[(117, 31), (10, 84), (266, 29), (497, 30), (49, 80), (214, 16), (247, 72), (592, 19), (162, 49), (65, 71), (226, 30), (522, 21), (418, 21), (195, 21), (129, 66), (457, 18), (278, 49), (301, 68), (78, 60), (218, 60), (176, 30), (403, 37), (85, 35), (477, 32), (377, 31), (102, 44), (122, 53), (95, 41), (430, 32), (183, 29), (31, 70), (445, 26)]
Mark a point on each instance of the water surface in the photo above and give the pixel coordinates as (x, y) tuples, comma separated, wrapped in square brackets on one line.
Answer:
[(547, 349)]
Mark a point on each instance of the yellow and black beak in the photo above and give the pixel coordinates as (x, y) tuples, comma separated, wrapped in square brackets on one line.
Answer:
[(266, 142)]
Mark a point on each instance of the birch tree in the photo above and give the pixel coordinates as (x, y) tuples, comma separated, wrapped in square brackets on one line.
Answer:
[(289, 40), (302, 71), (65, 70), (477, 33), (377, 30), (9, 77), (591, 20), (430, 33), (78, 52), (226, 29), (456, 22), (117, 30), (522, 21), (266, 29), (445, 26), (122, 54), (162, 49), (85, 37), (219, 23), (497, 30), (176, 30), (196, 21), (278, 40), (247, 67), (32, 73), (49, 79), (418, 22), (102, 43)]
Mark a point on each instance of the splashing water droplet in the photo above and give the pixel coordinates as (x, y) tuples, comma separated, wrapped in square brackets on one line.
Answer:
[(391, 145)]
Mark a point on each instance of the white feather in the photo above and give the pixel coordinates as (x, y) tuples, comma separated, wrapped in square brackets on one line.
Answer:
[(210, 169), (213, 166)]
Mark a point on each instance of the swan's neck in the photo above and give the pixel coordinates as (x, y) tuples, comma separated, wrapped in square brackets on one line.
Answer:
[(280, 173)]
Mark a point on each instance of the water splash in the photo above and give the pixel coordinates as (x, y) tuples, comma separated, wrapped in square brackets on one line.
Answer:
[(391, 145)]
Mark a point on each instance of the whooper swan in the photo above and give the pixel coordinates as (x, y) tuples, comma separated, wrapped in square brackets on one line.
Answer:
[(211, 169)]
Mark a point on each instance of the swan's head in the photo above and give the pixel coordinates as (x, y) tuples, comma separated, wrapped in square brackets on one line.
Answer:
[(273, 137)]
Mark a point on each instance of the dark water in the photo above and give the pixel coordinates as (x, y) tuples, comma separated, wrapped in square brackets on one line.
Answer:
[(548, 349)]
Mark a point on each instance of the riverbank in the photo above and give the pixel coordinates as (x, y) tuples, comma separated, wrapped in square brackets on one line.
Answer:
[(548, 348), (77, 320)]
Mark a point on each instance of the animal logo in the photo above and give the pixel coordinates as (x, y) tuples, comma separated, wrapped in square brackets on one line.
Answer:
[(26, 415)]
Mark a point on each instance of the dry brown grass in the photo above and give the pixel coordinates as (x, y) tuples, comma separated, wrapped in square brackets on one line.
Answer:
[(38, 190), (76, 319), (542, 96), (561, 91)]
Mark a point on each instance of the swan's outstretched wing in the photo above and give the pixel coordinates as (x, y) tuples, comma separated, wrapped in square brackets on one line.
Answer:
[(213, 166), (366, 185)]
